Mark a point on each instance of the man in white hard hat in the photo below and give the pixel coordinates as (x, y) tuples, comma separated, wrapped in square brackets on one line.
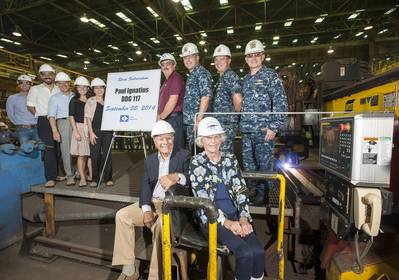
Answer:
[(171, 96), (162, 170), (228, 96), (58, 113), (18, 113), (37, 102), (198, 90), (262, 91)]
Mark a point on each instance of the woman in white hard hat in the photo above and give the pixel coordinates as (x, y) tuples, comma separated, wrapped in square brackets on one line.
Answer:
[(99, 140), (217, 176), (80, 138)]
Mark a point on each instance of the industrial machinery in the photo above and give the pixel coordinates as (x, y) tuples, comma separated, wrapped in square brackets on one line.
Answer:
[(359, 152)]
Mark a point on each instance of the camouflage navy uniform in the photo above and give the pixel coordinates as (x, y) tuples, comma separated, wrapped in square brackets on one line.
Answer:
[(262, 92), (227, 85), (198, 84)]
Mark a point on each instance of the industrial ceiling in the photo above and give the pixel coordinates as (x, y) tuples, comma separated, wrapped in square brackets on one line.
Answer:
[(98, 36)]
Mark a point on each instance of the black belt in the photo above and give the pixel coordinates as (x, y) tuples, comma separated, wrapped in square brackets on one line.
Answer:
[(175, 114), (26, 125), (62, 119)]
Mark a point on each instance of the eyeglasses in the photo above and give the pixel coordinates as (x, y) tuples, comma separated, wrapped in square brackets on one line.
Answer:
[(166, 63), (251, 55)]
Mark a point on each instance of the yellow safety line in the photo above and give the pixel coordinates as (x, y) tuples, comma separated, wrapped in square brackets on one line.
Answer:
[(212, 262), (167, 256), (280, 232)]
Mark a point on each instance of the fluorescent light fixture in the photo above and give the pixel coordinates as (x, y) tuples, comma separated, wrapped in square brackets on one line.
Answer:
[(205, 50), (314, 40), (97, 51), (337, 36), (155, 40), (202, 42), (258, 26), (113, 47), (106, 62), (17, 33), (203, 34), (295, 41), (186, 5), (84, 19), (288, 22), (152, 11), (275, 43), (241, 70), (45, 58), (355, 14), (86, 62), (314, 65), (133, 44), (138, 52), (268, 58), (96, 22), (321, 18), (230, 30), (383, 31), (238, 47), (223, 2), (276, 38), (390, 11), (318, 73), (330, 51), (293, 64), (131, 59), (276, 67), (61, 55), (368, 27), (78, 53), (145, 59), (176, 1), (365, 36), (178, 37), (359, 33), (116, 60), (17, 43), (123, 16), (6, 40), (300, 81)]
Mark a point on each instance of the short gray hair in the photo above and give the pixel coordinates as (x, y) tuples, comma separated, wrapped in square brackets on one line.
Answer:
[(199, 139)]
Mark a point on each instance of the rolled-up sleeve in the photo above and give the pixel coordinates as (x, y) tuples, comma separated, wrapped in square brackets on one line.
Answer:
[(52, 107)]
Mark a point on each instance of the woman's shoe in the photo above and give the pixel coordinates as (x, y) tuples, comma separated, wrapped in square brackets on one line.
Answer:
[(82, 184), (109, 183), (93, 185), (50, 184)]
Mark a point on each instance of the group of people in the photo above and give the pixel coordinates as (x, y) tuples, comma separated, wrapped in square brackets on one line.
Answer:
[(249, 106), (68, 121), (214, 173)]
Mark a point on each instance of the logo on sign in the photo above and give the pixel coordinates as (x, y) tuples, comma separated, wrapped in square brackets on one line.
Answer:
[(124, 118)]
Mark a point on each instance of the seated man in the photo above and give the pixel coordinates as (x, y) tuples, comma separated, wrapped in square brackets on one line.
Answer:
[(162, 170)]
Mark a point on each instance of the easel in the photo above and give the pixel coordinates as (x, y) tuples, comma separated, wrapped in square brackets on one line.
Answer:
[(114, 135)]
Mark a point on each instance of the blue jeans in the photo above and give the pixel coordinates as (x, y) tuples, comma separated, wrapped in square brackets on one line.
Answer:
[(26, 134)]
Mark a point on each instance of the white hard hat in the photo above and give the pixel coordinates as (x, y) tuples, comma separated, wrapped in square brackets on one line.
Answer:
[(81, 81), (222, 50), (209, 126), (97, 82), (46, 68), (161, 127), (189, 49), (254, 46), (24, 78), (62, 77), (166, 56)]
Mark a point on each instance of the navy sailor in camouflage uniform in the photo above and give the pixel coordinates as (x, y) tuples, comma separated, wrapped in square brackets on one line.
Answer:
[(262, 92), (228, 96), (198, 91)]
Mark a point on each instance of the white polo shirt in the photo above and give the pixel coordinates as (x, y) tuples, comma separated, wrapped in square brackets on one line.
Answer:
[(39, 97)]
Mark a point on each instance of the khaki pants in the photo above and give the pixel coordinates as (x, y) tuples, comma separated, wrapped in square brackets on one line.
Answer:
[(125, 220)]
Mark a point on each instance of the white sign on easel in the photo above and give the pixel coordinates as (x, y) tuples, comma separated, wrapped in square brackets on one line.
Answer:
[(131, 100)]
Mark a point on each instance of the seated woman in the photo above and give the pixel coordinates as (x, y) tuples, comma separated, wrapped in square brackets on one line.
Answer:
[(217, 176)]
